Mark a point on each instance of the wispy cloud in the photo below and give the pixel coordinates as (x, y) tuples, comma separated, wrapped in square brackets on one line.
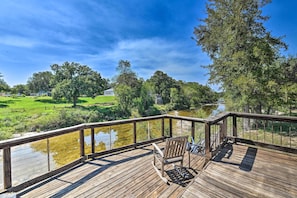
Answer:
[(17, 41), (152, 54)]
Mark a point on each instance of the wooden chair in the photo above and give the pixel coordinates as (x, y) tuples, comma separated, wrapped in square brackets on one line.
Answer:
[(174, 151)]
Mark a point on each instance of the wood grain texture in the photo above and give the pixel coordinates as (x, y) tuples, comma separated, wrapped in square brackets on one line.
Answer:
[(124, 174), (244, 171), (236, 171)]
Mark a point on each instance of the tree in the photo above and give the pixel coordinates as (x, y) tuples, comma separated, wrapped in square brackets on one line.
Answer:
[(124, 96), (20, 89), (144, 102), (72, 80), (3, 85), (241, 49), (162, 83), (40, 82), (198, 94), (127, 86), (127, 77), (287, 81)]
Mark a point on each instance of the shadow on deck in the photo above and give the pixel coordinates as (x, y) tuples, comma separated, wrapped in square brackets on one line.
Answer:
[(244, 171), (124, 174), (237, 170)]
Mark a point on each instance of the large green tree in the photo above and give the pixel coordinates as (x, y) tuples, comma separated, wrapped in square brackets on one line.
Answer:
[(40, 82), (198, 94), (287, 82), (241, 50), (145, 101), (127, 86), (162, 84), (3, 85), (20, 89), (72, 80)]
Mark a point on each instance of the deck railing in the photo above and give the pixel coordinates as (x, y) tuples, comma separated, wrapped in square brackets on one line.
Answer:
[(277, 132), (31, 159)]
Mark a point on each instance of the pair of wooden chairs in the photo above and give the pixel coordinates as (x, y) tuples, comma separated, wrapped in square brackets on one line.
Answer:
[(174, 152)]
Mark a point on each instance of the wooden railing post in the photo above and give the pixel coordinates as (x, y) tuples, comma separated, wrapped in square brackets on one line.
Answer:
[(7, 168), (48, 154), (93, 140), (163, 127), (234, 126), (82, 143), (223, 131), (193, 130), (170, 127), (207, 141), (134, 133)]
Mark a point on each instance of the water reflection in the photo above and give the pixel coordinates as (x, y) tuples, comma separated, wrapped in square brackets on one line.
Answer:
[(105, 138), (36, 159), (204, 112)]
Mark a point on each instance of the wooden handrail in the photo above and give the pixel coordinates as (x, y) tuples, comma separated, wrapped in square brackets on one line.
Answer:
[(36, 137), (264, 117), (220, 120)]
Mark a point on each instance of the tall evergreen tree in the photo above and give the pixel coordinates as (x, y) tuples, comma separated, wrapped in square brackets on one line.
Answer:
[(241, 49)]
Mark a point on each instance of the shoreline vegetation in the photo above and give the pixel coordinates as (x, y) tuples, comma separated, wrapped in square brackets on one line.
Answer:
[(35, 114), (28, 115)]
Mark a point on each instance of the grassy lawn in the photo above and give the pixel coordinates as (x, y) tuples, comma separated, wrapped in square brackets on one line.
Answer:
[(47, 102), (24, 114)]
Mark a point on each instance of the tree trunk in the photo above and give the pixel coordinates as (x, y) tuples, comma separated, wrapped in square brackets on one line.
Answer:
[(74, 101), (246, 121)]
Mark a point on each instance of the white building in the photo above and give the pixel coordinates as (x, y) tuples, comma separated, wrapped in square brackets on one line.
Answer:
[(109, 92)]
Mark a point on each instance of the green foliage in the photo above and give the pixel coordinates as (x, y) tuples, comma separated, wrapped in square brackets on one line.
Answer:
[(124, 96), (145, 102), (72, 80), (242, 51), (127, 88), (3, 85), (197, 94), (40, 82), (162, 84), (25, 114), (20, 90)]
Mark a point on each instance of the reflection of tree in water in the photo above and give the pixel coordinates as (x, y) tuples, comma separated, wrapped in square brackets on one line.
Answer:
[(65, 148)]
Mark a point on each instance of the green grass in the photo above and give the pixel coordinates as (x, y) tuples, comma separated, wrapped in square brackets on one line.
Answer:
[(24, 114), (48, 102)]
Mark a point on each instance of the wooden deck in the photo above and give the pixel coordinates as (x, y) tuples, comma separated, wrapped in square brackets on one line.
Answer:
[(125, 174), (246, 171), (236, 171)]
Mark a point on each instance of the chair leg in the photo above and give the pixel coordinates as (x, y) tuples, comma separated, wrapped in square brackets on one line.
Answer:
[(162, 169), (189, 159)]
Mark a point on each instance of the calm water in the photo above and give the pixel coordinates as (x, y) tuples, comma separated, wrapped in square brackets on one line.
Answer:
[(65, 148)]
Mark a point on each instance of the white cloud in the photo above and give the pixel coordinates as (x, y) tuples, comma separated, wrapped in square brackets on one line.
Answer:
[(151, 54), (17, 41)]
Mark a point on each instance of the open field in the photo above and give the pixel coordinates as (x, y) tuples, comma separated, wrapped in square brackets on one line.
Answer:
[(26, 114)]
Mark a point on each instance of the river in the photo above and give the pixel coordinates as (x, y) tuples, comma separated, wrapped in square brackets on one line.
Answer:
[(65, 148)]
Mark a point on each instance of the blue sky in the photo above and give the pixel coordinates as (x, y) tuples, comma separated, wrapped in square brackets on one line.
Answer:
[(151, 34)]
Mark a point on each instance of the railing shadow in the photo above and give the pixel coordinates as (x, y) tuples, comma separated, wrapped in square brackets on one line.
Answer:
[(87, 177), (246, 163), (248, 159)]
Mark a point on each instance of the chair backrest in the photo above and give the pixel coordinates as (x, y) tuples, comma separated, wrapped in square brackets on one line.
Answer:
[(175, 147)]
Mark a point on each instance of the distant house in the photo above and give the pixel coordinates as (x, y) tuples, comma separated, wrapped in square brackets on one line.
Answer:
[(158, 99), (109, 92)]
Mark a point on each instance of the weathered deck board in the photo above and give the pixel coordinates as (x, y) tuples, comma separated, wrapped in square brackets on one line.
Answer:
[(236, 171), (245, 171), (125, 174)]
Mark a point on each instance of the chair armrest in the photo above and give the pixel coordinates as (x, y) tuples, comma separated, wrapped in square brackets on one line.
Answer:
[(158, 149)]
